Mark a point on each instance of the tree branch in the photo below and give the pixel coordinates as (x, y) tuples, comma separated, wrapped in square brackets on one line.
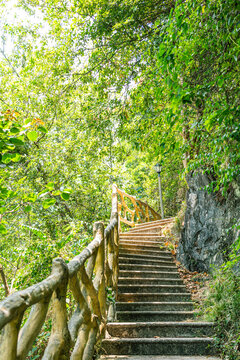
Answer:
[(9, 62), (4, 279)]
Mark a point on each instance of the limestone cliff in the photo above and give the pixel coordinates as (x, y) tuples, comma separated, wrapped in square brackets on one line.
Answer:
[(209, 225)]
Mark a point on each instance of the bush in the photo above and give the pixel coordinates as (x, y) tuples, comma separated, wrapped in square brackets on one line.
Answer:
[(222, 305)]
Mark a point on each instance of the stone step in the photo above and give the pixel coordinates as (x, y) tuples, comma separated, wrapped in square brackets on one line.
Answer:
[(140, 235), (142, 267), (154, 312), (148, 281), (164, 262), (154, 306), (145, 245), (155, 248), (153, 229), (149, 260), (142, 288), (161, 329), (146, 239), (150, 226), (151, 274), (156, 357), (163, 256), (161, 297), (147, 225), (161, 222), (153, 316), (140, 251), (156, 346), (143, 237), (149, 247), (141, 242)]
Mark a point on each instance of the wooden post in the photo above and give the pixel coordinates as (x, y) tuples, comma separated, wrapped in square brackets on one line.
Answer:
[(32, 328), (10, 339), (99, 281), (81, 342), (59, 341)]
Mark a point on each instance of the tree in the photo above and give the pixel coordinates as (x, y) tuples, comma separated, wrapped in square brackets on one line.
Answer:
[(103, 91)]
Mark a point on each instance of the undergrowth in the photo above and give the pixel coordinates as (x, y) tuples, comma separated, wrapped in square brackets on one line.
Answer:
[(222, 305)]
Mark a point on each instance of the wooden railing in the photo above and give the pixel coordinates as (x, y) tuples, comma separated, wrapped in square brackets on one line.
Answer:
[(139, 213), (83, 283)]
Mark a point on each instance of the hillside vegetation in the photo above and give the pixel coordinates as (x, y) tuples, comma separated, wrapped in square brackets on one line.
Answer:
[(96, 92)]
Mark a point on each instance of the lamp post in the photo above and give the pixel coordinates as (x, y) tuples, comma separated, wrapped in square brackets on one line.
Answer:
[(158, 169)]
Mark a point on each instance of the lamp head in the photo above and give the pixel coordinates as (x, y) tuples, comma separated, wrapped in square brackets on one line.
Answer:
[(158, 168)]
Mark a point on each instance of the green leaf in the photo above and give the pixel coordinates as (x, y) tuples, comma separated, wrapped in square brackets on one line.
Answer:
[(32, 197), (65, 195), (27, 208), (6, 158), (3, 229), (10, 146), (16, 157), (48, 202), (3, 210), (14, 130), (32, 135), (50, 186), (4, 193), (42, 129), (16, 141)]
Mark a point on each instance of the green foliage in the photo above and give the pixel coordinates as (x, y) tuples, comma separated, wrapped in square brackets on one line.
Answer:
[(40, 343), (95, 92), (222, 305), (198, 62), (72, 148)]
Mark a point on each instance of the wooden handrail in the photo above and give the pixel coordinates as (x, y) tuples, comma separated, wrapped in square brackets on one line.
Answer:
[(86, 278), (140, 213)]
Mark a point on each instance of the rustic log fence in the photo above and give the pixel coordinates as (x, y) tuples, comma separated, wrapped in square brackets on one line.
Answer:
[(86, 277), (140, 213)]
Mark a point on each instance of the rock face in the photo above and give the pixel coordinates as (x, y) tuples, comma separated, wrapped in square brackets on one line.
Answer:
[(208, 227)]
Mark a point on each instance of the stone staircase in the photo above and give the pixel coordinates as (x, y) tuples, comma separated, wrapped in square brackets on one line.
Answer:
[(155, 315)]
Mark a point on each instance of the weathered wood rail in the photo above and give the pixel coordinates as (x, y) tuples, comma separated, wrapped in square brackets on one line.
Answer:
[(140, 213), (87, 276)]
